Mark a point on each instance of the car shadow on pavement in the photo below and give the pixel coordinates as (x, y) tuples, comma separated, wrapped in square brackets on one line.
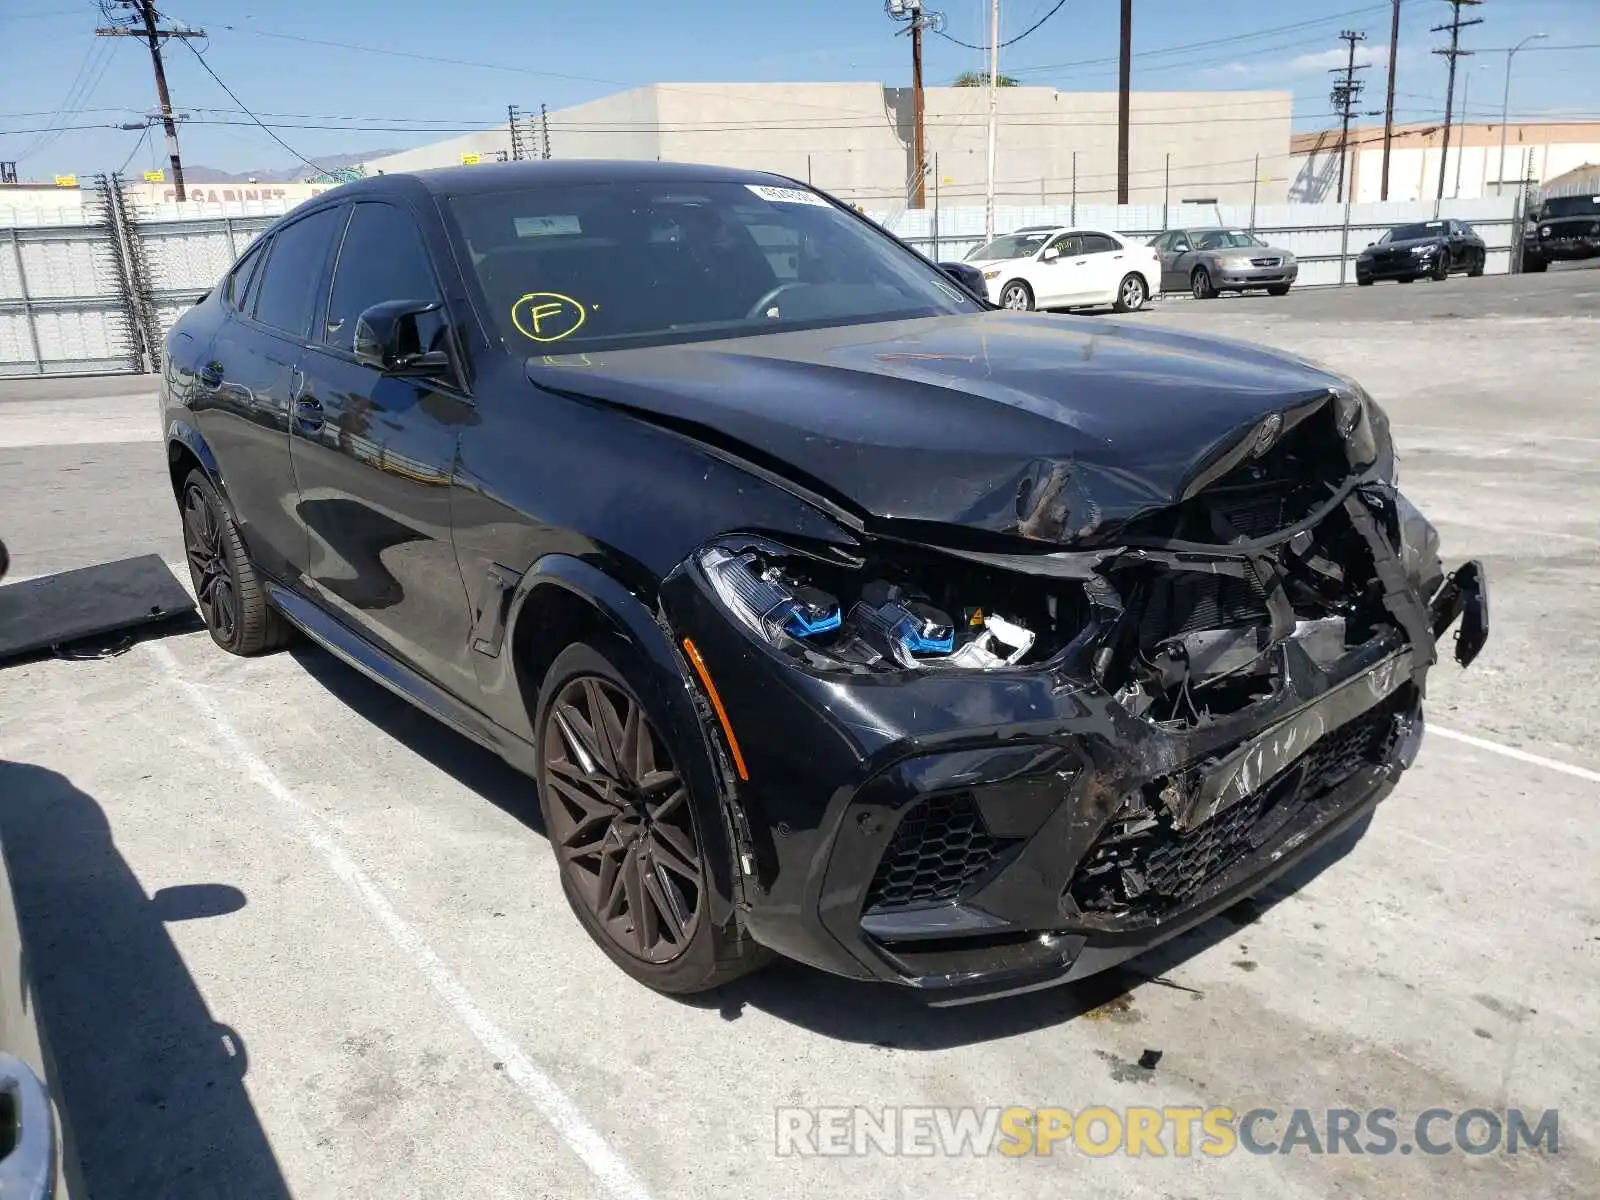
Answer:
[(455, 754), (895, 1019), (150, 1085)]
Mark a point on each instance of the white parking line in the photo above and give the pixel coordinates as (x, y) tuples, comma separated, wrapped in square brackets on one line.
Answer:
[(558, 1108), (1538, 760)]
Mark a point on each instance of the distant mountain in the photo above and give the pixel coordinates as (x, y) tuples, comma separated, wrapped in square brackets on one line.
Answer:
[(199, 173)]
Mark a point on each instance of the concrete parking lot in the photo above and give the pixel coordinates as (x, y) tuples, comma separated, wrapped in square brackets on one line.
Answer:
[(292, 937)]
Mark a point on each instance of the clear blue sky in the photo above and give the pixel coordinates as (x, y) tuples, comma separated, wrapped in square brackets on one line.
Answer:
[(563, 53)]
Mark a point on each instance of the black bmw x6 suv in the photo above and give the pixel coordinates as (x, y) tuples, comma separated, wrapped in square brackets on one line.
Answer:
[(833, 612)]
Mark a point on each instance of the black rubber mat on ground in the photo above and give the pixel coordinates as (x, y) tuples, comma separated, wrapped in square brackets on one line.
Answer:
[(56, 610)]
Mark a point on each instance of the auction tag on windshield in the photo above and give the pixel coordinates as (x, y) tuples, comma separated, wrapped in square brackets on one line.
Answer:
[(783, 195), (546, 226)]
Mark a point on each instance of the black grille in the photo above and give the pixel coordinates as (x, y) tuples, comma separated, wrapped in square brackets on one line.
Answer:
[(1256, 514), (1266, 262), (939, 849), (1141, 867)]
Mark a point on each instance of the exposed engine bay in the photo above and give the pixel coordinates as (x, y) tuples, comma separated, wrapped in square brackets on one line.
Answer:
[(1185, 614)]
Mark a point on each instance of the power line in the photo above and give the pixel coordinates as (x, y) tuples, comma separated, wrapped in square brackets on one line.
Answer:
[(201, 59), (143, 138), (1009, 41)]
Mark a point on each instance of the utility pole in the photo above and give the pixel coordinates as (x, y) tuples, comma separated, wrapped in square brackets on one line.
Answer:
[(1388, 106), (1124, 87), (143, 25), (916, 19), (994, 116), (1345, 93), (1454, 52), (1505, 113)]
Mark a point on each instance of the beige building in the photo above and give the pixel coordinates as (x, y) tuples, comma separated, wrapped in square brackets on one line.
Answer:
[(855, 140), (1537, 152)]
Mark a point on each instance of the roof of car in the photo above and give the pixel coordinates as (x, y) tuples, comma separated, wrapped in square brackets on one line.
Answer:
[(498, 177)]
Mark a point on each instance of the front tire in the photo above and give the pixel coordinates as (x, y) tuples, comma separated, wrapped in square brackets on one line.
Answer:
[(1200, 284), (625, 829), (1363, 281), (1132, 293), (1441, 269), (1278, 289), (1534, 266), (226, 587), (1479, 261), (1017, 296)]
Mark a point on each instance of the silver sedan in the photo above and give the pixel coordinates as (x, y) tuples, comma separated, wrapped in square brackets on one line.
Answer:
[(1209, 261)]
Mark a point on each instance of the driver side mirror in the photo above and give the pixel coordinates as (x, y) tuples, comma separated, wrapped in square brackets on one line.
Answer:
[(1050, 254), (388, 338)]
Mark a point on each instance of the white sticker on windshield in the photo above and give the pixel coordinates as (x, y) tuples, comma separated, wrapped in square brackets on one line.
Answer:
[(783, 195), (553, 226)]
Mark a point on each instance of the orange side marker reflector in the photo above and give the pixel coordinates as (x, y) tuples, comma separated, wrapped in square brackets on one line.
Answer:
[(699, 665)]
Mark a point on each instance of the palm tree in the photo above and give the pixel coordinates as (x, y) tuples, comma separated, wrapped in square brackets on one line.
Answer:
[(981, 79)]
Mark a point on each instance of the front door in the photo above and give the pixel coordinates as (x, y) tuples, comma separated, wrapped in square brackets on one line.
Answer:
[(1061, 278), (248, 379), (375, 456), (1175, 265)]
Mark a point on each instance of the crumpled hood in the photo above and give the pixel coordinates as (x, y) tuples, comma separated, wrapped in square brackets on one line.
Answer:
[(1032, 425)]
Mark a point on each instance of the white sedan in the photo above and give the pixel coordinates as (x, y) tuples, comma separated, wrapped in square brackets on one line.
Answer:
[(1048, 266)]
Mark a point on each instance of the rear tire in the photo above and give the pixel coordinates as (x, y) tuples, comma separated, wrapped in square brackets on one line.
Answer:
[(1017, 296), (1406, 279), (1200, 284), (1363, 282), (1478, 263), (1132, 293), (231, 598), (624, 827)]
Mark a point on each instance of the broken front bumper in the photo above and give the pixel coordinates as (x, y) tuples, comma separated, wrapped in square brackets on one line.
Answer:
[(972, 834)]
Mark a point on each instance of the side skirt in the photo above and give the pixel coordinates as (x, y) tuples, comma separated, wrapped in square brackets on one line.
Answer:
[(350, 647)]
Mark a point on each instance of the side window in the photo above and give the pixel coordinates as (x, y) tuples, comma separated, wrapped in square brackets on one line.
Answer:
[(1065, 244), (1098, 243), (1161, 242), (1180, 242), (382, 259), (239, 278), (286, 296)]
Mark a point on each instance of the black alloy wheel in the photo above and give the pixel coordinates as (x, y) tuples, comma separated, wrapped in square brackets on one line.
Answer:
[(1200, 283), (1479, 261), (620, 820), (1441, 266), (203, 546)]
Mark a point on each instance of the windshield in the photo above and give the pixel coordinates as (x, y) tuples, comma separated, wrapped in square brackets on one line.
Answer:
[(1011, 245), (580, 267), (1573, 206), (1225, 239), (1415, 233)]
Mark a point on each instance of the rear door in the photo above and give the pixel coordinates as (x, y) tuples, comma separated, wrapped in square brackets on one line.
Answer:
[(375, 456), (1105, 267), (249, 379)]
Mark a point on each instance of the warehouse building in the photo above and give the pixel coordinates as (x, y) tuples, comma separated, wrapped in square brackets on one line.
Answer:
[(1535, 152), (855, 140)]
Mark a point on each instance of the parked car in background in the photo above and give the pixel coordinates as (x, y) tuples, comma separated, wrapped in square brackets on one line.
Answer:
[(1210, 261), (1564, 228), (1422, 248), (1050, 266)]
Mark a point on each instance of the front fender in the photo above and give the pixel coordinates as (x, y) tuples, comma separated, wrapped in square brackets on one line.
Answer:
[(675, 693)]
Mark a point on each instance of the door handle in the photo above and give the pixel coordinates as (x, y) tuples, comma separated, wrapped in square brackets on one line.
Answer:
[(308, 414), (28, 1171)]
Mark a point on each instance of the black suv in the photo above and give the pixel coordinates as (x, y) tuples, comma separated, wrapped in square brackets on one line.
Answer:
[(834, 612), (1430, 249), (1564, 228)]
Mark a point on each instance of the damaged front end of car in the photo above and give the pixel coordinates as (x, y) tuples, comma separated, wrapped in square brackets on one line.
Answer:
[(979, 763)]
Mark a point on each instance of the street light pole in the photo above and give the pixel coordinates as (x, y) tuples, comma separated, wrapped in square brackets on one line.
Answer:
[(1505, 109)]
